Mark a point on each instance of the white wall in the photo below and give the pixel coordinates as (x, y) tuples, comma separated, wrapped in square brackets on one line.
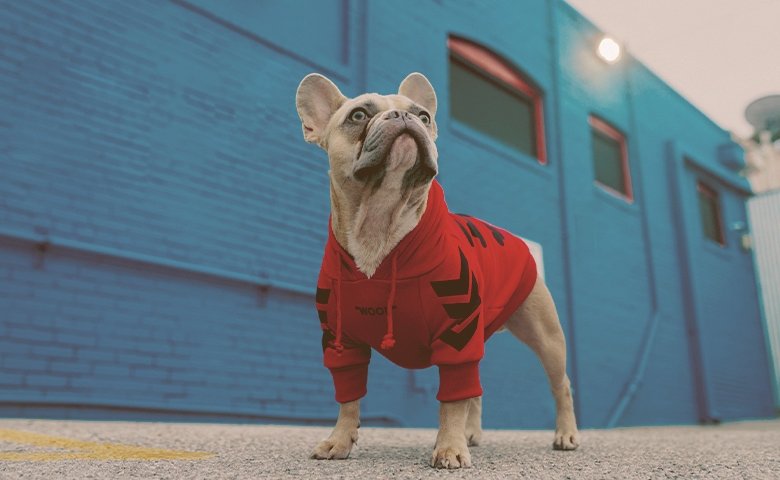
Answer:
[(765, 220)]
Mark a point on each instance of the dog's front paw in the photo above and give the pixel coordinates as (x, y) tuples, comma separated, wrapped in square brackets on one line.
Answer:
[(335, 447), (453, 454), (566, 439)]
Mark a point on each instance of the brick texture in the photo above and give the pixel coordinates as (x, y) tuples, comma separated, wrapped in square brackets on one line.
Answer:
[(167, 130)]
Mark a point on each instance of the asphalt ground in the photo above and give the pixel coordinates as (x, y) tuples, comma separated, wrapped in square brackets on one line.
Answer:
[(53, 449)]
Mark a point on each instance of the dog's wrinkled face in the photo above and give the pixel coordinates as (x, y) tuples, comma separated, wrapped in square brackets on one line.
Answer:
[(373, 140)]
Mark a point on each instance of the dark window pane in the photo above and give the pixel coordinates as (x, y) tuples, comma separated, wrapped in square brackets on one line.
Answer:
[(608, 162), (710, 214), (491, 109)]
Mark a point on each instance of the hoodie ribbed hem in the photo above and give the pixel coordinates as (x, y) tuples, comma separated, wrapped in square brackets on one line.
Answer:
[(459, 382), (350, 382)]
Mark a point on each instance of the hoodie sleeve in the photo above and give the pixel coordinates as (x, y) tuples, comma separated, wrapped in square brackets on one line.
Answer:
[(349, 368), (457, 352)]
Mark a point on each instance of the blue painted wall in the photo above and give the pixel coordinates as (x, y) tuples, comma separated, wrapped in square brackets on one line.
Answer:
[(162, 220)]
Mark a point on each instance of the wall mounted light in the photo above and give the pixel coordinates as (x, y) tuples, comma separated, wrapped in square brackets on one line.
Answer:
[(609, 50)]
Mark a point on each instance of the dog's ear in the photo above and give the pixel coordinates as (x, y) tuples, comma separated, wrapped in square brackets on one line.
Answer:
[(317, 99), (419, 89)]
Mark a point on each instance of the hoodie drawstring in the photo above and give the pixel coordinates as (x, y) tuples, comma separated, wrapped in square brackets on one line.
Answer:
[(388, 341), (337, 343)]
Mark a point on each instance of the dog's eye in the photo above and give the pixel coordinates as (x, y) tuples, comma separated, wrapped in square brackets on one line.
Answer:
[(425, 118), (358, 115)]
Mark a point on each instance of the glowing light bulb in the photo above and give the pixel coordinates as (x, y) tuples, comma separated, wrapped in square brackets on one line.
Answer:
[(609, 50)]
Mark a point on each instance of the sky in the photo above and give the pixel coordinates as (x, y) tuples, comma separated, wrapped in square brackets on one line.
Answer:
[(719, 54)]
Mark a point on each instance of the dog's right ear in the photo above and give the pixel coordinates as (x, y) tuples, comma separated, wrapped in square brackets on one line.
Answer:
[(317, 99)]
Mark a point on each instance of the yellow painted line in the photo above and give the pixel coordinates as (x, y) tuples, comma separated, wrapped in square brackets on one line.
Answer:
[(83, 450)]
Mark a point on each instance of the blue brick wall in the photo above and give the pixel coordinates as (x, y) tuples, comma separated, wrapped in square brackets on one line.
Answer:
[(156, 145)]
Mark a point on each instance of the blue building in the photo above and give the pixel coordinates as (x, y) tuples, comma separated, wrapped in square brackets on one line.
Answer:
[(162, 220)]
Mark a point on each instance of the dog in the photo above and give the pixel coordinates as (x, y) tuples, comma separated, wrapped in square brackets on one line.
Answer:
[(405, 277)]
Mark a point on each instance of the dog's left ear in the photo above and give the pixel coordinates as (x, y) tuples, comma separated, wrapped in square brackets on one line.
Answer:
[(317, 99), (419, 89)]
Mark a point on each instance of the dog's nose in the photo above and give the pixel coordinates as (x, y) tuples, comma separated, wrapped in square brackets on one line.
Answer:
[(393, 114)]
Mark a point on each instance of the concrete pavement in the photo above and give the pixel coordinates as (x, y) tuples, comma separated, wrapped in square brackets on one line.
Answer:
[(31, 449)]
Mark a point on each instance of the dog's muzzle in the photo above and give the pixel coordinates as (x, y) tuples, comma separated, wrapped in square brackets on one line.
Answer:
[(379, 140)]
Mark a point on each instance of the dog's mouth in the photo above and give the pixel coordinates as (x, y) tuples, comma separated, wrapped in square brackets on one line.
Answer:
[(372, 159)]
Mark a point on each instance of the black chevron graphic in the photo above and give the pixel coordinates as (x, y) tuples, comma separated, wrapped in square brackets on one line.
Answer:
[(465, 233), (458, 340), (322, 295), (496, 234), (323, 316), (461, 311), (457, 286), (475, 232)]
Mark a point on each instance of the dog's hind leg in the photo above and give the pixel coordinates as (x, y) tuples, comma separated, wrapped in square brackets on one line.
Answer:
[(474, 422), (536, 324)]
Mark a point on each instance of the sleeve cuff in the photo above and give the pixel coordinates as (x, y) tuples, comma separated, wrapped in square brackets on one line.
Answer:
[(458, 382), (350, 382)]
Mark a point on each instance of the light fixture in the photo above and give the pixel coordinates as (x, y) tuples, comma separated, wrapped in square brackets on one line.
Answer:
[(609, 50)]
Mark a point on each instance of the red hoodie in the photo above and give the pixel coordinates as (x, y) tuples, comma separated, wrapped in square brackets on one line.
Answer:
[(452, 282)]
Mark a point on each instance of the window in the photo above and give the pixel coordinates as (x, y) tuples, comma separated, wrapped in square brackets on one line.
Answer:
[(492, 97), (709, 209), (610, 159)]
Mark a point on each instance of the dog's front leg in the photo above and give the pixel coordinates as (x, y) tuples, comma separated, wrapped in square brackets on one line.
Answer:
[(451, 450), (338, 445)]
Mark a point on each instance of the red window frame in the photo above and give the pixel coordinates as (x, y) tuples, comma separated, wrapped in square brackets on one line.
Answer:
[(712, 194), (608, 130), (500, 71)]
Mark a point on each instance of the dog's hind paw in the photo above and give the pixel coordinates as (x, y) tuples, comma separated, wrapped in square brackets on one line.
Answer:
[(566, 440), (474, 438)]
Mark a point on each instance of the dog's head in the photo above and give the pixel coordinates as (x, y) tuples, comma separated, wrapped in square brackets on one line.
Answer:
[(372, 139)]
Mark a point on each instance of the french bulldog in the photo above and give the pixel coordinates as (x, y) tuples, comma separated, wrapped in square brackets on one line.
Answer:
[(383, 162)]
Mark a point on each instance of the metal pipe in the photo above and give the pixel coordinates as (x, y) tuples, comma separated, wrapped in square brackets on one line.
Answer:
[(676, 164), (46, 241), (565, 219), (643, 359)]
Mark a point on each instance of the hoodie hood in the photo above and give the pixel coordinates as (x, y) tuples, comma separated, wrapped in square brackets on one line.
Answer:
[(419, 252)]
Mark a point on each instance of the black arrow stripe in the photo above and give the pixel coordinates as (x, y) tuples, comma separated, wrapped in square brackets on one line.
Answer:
[(475, 233), (461, 311), (496, 234), (458, 340), (323, 316), (322, 296), (465, 233), (457, 286)]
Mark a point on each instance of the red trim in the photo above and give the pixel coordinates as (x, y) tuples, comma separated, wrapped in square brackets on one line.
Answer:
[(713, 194), (541, 147), (613, 133), (501, 70)]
